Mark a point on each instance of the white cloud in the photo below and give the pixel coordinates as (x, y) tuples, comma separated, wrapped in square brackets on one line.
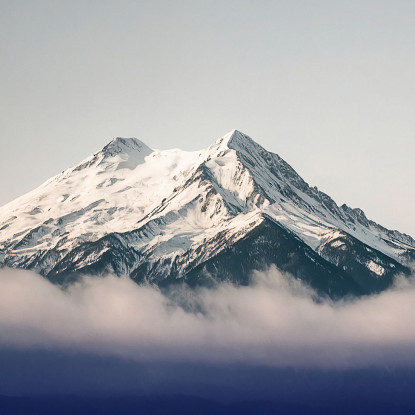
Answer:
[(275, 321)]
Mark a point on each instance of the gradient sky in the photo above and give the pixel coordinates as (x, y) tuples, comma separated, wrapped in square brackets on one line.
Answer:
[(328, 85)]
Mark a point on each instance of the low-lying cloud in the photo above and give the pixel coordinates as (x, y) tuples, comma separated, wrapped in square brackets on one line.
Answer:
[(275, 321)]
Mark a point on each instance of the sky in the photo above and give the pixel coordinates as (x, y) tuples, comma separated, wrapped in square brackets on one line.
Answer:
[(327, 85)]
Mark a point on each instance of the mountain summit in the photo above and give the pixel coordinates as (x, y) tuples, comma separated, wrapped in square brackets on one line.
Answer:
[(213, 214)]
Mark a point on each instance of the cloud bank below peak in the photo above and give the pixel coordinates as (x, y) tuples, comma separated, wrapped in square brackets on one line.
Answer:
[(276, 322)]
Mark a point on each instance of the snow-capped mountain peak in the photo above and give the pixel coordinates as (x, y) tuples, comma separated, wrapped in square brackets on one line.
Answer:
[(124, 153), (172, 210), (125, 145), (235, 140)]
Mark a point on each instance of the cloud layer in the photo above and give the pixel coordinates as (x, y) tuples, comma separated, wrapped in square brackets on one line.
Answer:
[(276, 321)]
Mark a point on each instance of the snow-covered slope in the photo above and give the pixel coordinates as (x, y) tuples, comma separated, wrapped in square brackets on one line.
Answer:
[(168, 212)]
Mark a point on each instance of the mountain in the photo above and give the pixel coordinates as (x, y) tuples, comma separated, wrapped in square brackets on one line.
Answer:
[(214, 214)]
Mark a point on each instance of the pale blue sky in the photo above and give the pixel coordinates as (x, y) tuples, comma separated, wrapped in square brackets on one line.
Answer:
[(328, 85)]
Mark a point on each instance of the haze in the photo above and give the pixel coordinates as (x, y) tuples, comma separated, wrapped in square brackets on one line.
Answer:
[(329, 86)]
